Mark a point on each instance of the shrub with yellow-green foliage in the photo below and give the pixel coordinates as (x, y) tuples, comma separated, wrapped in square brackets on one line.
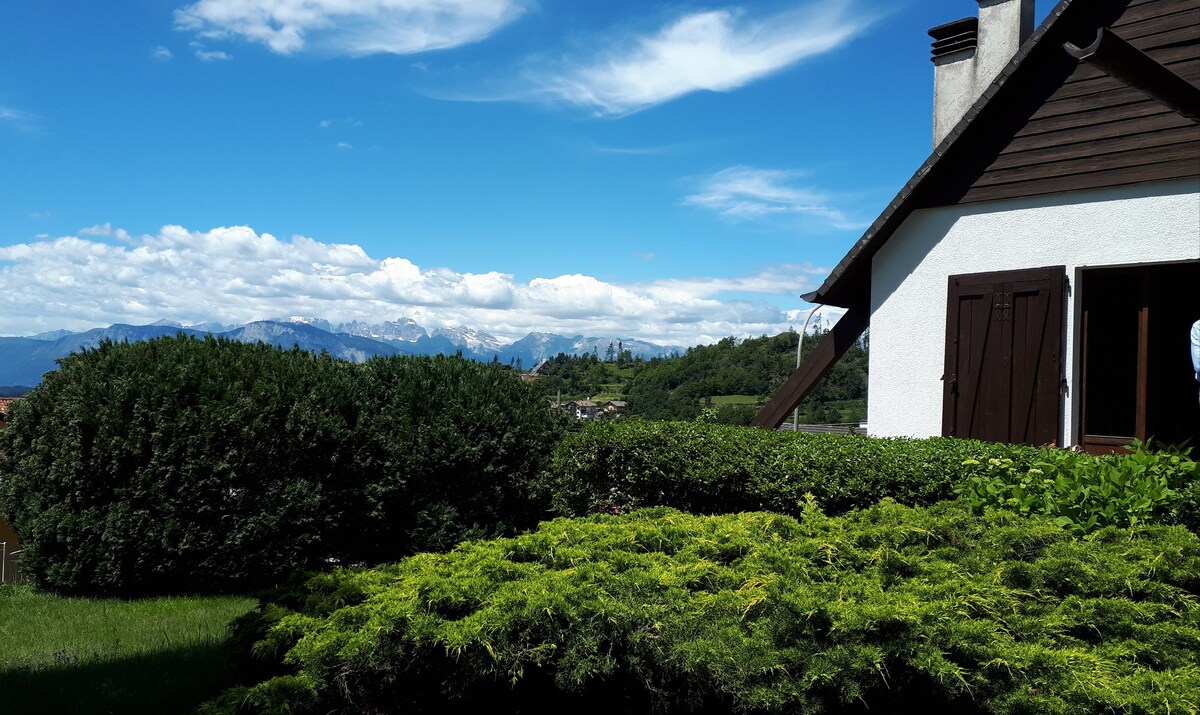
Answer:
[(892, 608)]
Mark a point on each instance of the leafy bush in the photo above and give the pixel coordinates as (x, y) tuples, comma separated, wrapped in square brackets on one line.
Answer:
[(892, 608), (185, 465), (1083, 492), (446, 449), (707, 469)]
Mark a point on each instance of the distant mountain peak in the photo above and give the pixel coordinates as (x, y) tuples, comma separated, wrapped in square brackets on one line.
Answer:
[(26, 359), (320, 323), (470, 338), (404, 330)]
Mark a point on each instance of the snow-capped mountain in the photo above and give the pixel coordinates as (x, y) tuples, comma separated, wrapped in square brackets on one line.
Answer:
[(23, 360), (310, 337), (539, 346), (404, 330), (476, 340), (319, 323)]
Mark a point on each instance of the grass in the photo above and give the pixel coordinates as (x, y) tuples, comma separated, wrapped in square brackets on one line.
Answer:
[(738, 399), (162, 655), (603, 397)]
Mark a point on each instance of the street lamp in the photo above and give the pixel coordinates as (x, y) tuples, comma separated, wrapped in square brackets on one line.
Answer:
[(800, 344)]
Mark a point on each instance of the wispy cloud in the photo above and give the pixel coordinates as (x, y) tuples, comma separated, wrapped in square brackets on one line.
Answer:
[(342, 122), (345, 145), (18, 119), (745, 193), (340, 27), (661, 150), (213, 56), (236, 274), (161, 54), (716, 50)]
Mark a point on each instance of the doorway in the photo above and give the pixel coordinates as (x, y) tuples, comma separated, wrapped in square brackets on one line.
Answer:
[(1137, 378)]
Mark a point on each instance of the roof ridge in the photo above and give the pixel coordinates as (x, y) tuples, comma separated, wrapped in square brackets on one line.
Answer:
[(900, 201)]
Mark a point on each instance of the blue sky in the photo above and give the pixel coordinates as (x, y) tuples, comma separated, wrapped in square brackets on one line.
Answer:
[(674, 171)]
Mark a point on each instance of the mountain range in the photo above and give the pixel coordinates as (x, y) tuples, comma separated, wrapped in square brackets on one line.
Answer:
[(23, 360)]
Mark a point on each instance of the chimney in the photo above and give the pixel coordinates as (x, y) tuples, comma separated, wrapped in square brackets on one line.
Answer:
[(969, 53)]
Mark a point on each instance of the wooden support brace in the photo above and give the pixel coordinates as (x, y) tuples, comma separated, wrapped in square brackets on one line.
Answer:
[(818, 363), (1126, 63)]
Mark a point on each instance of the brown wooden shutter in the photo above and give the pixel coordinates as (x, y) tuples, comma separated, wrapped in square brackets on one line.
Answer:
[(1004, 356)]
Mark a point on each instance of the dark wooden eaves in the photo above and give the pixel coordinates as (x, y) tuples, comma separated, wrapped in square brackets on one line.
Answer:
[(1034, 72)]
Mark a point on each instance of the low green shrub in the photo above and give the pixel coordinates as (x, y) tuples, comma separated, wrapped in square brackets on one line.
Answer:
[(889, 609), (707, 469), (1083, 492), (180, 465)]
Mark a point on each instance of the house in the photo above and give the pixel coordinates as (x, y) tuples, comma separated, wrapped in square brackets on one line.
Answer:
[(615, 408), (5, 404), (1036, 278), (582, 409), (542, 369)]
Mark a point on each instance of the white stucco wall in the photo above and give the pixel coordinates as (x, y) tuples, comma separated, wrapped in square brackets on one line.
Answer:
[(1147, 223)]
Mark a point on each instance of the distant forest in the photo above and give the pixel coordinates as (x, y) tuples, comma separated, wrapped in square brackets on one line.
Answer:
[(726, 382)]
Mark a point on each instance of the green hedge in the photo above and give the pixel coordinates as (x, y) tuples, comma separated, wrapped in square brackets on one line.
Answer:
[(1082, 492), (185, 465), (707, 469), (889, 609)]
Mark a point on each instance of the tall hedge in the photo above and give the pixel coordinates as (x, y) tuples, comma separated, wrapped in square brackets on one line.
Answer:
[(710, 469), (180, 464)]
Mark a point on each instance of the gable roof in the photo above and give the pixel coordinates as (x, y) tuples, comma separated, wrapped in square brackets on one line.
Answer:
[(1039, 68)]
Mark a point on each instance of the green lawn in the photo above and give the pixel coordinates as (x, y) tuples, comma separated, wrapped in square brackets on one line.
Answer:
[(75, 655)]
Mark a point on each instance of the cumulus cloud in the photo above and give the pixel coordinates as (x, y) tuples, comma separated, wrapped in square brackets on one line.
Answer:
[(362, 27), (744, 193), (716, 50), (236, 275), (160, 53), (106, 229)]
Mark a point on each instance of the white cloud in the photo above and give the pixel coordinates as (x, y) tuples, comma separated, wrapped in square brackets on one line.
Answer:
[(160, 53), (18, 119), (345, 27), (345, 145), (342, 122), (717, 50), (213, 55), (234, 275), (14, 115), (106, 229), (744, 193)]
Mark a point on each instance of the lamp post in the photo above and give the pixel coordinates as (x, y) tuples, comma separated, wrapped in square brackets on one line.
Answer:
[(800, 344)]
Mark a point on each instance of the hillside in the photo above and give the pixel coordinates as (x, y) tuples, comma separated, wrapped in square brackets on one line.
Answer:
[(730, 379)]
